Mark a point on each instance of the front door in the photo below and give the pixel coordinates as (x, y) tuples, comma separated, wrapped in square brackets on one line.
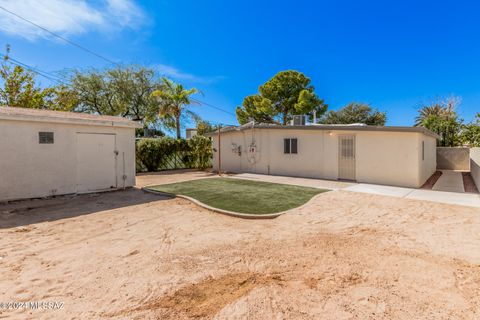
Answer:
[(346, 157)]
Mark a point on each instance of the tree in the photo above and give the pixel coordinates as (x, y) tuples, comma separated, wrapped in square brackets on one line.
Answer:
[(204, 127), (356, 112), (172, 100), (19, 88), (441, 118), (122, 91), (470, 133), (254, 108), (286, 94), (440, 107)]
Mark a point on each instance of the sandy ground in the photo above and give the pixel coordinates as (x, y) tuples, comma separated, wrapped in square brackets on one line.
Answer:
[(132, 255)]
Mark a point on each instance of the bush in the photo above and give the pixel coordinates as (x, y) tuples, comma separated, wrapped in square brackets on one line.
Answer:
[(201, 151), (167, 153)]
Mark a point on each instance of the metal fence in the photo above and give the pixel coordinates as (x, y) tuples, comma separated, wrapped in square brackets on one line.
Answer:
[(176, 160)]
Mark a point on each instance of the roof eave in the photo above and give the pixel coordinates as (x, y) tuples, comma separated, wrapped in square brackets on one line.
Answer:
[(95, 122)]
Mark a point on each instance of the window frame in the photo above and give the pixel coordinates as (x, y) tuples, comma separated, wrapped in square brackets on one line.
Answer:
[(423, 150), (290, 145)]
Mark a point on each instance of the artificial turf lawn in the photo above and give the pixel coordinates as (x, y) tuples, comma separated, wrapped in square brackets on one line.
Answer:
[(244, 196)]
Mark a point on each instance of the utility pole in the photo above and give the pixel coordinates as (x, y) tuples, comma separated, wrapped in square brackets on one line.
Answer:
[(219, 152)]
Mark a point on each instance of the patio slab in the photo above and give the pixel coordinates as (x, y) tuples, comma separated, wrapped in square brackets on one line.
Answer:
[(463, 199), (451, 181), (391, 191), (304, 182)]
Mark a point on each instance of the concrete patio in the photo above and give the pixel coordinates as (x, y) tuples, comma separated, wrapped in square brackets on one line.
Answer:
[(447, 190)]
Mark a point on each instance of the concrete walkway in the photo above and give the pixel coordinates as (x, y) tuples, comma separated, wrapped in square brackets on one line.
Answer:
[(304, 182), (457, 198), (451, 181)]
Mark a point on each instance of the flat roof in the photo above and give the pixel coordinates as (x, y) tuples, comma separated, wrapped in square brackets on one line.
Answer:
[(329, 127), (40, 115)]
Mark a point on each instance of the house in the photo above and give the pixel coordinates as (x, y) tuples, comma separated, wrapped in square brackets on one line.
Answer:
[(397, 156), (46, 153), (190, 133)]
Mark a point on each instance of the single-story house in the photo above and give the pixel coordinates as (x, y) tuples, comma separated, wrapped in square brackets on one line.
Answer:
[(46, 153), (397, 156)]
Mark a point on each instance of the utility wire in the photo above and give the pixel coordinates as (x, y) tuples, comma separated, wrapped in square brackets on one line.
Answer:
[(35, 70), (42, 73), (60, 81), (214, 107), (60, 37)]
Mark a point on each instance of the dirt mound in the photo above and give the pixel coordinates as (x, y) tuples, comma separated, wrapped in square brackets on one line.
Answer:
[(206, 298)]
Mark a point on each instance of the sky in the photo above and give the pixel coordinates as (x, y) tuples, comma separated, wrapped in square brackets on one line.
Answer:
[(393, 55)]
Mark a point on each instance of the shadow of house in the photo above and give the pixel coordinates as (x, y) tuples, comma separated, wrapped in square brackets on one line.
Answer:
[(26, 212)]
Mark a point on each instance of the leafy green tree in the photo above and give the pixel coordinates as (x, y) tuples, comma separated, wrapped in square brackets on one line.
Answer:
[(355, 112), (95, 93), (204, 127), (470, 133), (122, 91), (286, 94), (441, 118), (254, 108), (19, 88), (172, 100)]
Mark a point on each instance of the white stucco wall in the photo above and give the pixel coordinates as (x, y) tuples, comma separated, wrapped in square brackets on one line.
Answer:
[(475, 165), (390, 158), (29, 169)]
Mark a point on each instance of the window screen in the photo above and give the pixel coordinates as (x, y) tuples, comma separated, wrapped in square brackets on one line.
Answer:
[(45, 137), (423, 150), (290, 146), (293, 147), (286, 145)]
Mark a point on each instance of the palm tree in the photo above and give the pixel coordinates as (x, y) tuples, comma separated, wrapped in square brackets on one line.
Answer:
[(441, 108), (173, 98), (426, 112)]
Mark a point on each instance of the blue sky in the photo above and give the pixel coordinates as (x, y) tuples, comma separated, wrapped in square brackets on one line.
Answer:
[(392, 54)]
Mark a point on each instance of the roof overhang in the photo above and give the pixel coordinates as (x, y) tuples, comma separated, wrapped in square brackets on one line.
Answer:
[(333, 127), (65, 118)]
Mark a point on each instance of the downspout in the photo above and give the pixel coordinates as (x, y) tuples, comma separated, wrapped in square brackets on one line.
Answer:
[(219, 153)]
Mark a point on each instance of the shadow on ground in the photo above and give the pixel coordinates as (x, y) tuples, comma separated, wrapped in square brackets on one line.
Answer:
[(25, 212)]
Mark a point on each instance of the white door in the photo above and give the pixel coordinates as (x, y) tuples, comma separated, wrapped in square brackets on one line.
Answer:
[(346, 157), (95, 162)]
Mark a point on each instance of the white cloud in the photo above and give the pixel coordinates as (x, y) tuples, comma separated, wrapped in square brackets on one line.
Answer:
[(67, 17), (176, 74)]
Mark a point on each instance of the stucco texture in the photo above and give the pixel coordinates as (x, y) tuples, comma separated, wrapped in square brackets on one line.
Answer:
[(29, 169), (390, 158), (475, 165), (457, 158)]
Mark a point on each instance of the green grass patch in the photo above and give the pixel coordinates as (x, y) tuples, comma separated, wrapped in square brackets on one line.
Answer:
[(244, 196)]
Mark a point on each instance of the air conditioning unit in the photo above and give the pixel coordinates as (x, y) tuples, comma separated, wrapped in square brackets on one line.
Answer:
[(299, 120), (190, 133)]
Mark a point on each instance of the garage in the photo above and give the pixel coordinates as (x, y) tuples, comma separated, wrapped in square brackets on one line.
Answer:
[(47, 153)]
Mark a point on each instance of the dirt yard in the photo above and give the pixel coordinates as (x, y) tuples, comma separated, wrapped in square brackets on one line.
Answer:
[(132, 255)]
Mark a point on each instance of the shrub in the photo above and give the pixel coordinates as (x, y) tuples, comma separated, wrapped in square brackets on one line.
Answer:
[(201, 151), (167, 153)]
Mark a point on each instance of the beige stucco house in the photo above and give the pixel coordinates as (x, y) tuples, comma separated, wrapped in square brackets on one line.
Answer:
[(397, 156), (45, 153)]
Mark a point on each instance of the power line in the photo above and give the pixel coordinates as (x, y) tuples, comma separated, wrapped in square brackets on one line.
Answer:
[(60, 37), (60, 81), (35, 70), (86, 50), (214, 107)]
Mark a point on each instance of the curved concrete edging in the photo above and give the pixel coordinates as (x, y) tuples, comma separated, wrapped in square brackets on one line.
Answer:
[(227, 212)]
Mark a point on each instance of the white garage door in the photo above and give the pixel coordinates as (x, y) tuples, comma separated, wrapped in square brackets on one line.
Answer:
[(95, 162)]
